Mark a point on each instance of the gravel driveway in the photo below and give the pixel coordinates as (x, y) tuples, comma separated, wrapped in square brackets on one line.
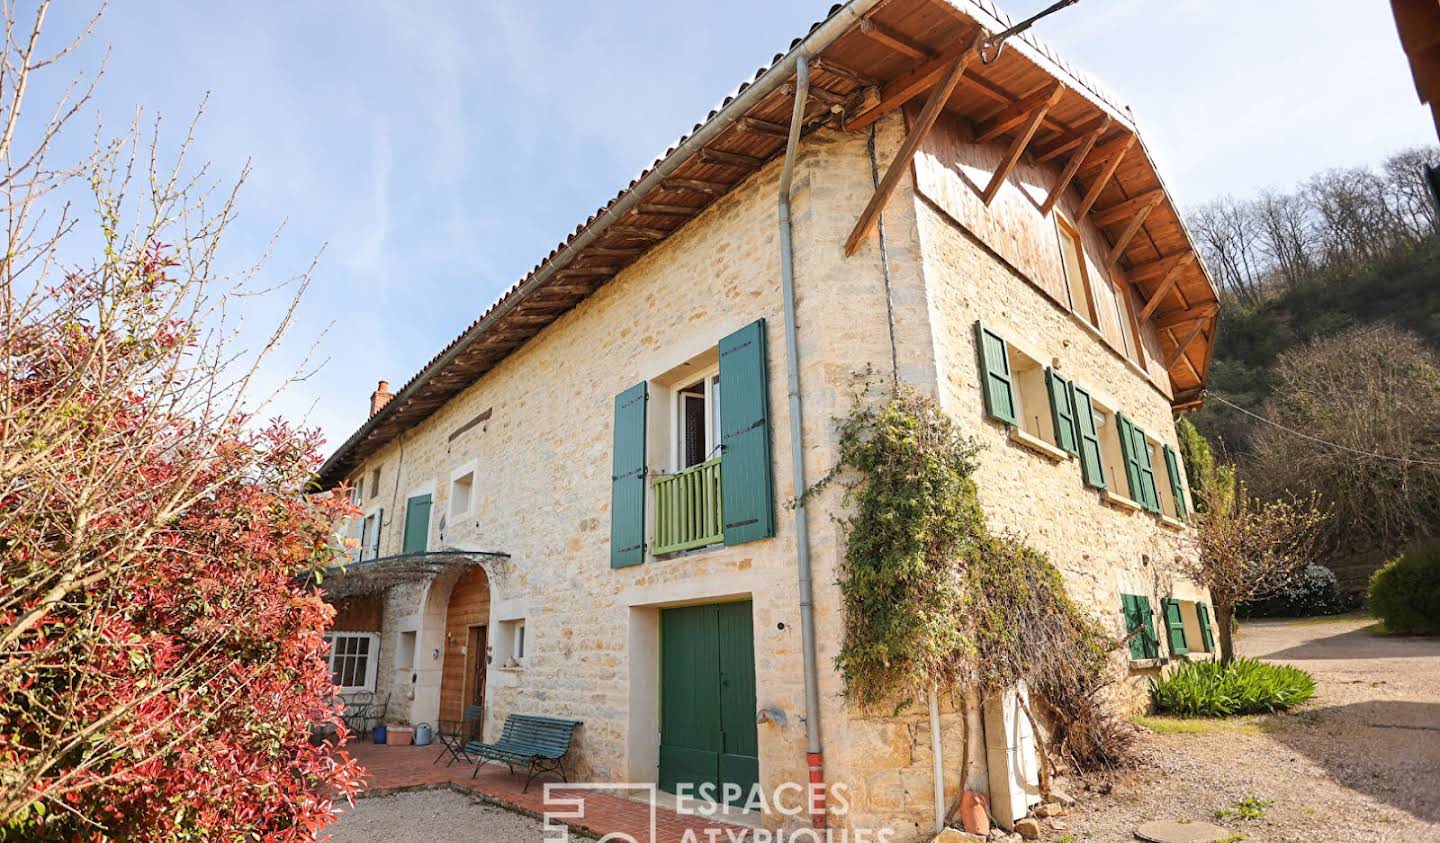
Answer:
[(431, 816), (1360, 762)]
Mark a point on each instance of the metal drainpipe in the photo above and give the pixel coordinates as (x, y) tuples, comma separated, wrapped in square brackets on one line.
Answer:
[(814, 755)]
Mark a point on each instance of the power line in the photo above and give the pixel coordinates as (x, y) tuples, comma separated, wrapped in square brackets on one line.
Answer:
[(1318, 440)]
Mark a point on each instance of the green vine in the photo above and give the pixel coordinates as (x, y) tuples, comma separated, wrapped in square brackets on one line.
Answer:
[(934, 599)]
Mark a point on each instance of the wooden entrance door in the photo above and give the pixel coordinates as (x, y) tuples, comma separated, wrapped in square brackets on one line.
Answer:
[(707, 699)]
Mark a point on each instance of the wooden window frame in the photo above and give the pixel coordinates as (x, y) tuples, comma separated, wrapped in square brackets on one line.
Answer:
[(710, 378), (1065, 230)]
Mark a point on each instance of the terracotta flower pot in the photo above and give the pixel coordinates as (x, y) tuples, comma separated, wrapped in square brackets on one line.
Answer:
[(399, 735)]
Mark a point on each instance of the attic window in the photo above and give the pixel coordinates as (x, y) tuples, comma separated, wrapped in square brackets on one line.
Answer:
[(375, 481), (1077, 279)]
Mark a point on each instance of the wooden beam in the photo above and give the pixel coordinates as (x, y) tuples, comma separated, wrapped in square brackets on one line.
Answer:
[(635, 232), (1184, 343), (906, 153), (1106, 151), (1004, 97), (1017, 146), (729, 159), (881, 34), (1093, 194), (1126, 209), (585, 272), (710, 188), (835, 68), (611, 252), (756, 126), (907, 86), (1055, 148), (1021, 113), (1132, 229), (1068, 174), (1143, 273), (1181, 317), (662, 210), (1166, 285), (820, 94)]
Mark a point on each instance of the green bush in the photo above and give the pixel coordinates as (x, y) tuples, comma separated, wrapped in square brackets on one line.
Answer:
[(1310, 591), (1245, 686), (1405, 594)]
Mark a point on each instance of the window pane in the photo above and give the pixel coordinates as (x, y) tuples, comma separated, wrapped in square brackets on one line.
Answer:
[(692, 425)]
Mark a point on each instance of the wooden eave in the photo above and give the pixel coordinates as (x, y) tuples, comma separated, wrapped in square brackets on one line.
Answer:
[(846, 78)]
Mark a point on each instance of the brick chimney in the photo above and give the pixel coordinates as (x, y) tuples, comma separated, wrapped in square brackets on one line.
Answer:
[(380, 397)]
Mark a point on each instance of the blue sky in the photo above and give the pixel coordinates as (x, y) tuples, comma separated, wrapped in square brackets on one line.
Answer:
[(438, 150)]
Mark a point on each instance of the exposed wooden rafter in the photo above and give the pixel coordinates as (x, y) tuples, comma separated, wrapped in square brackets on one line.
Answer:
[(843, 71), (1184, 343), (1087, 143), (907, 86), (636, 232), (756, 126), (1066, 142), (729, 159), (1167, 284), (1132, 228), (1020, 113), (585, 271), (910, 146), (611, 252), (710, 188), (1126, 209), (1181, 317), (659, 209), (881, 34), (1022, 139), (1110, 155)]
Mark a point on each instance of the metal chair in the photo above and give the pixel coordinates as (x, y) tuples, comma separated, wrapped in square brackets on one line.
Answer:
[(356, 710), (454, 734)]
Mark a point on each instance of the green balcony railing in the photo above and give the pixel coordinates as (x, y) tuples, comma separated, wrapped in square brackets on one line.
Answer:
[(688, 508)]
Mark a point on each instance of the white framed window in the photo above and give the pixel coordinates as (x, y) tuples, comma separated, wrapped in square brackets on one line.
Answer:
[(462, 492), (367, 530), (353, 657), (697, 420)]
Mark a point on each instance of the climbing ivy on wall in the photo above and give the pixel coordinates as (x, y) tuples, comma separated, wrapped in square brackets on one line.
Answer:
[(933, 598)]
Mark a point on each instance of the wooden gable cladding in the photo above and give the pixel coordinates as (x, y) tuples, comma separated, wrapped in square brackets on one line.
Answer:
[(892, 58)]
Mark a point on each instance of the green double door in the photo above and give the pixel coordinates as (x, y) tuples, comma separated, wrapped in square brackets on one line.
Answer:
[(707, 700)]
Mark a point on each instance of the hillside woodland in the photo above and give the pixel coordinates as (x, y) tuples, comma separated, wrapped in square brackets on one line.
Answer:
[(1326, 376)]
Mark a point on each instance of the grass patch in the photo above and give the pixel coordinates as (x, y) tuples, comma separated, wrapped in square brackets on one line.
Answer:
[(1165, 725), (1251, 807), (1245, 686)]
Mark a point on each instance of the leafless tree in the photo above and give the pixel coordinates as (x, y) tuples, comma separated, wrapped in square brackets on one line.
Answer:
[(1286, 233), (1356, 416)]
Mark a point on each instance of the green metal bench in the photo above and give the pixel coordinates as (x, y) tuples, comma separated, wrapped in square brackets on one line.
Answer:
[(531, 741)]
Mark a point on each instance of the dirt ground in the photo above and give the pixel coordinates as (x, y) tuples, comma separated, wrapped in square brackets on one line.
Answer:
[(1360, 762), (430, 816)]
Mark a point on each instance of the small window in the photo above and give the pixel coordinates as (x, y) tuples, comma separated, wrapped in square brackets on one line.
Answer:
[(1033, 410), (512, 645), (1110, 451), (461, 492), (352, 658), (357, 492), (369, 536), (375, 481), (1164, 491), (1077, 278), (1129, 327)]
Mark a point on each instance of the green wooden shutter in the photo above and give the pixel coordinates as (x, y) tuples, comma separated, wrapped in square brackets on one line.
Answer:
[(1130, 606), (627, 479), (1147, 616), (995, 379), (1062, 412), (417, 524), (1148, 489), (1092, 465), (746, 485), (1207, 634), (1175, 626), (1177, 488), (375, 535), (1126, 431)]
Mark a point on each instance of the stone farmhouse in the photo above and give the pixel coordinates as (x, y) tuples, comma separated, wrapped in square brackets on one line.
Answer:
[(585, 506)]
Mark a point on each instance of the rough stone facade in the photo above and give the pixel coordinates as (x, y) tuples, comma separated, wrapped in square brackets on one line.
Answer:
[(542, 465)]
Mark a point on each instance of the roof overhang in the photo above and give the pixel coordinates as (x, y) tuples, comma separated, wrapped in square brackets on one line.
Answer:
[(868, 57), (373, 576)]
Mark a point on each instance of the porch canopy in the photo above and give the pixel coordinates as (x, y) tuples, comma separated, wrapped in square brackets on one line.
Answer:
[(375, 575)]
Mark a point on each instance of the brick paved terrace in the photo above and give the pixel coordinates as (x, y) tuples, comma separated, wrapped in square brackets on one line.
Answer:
[(398, 768)]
